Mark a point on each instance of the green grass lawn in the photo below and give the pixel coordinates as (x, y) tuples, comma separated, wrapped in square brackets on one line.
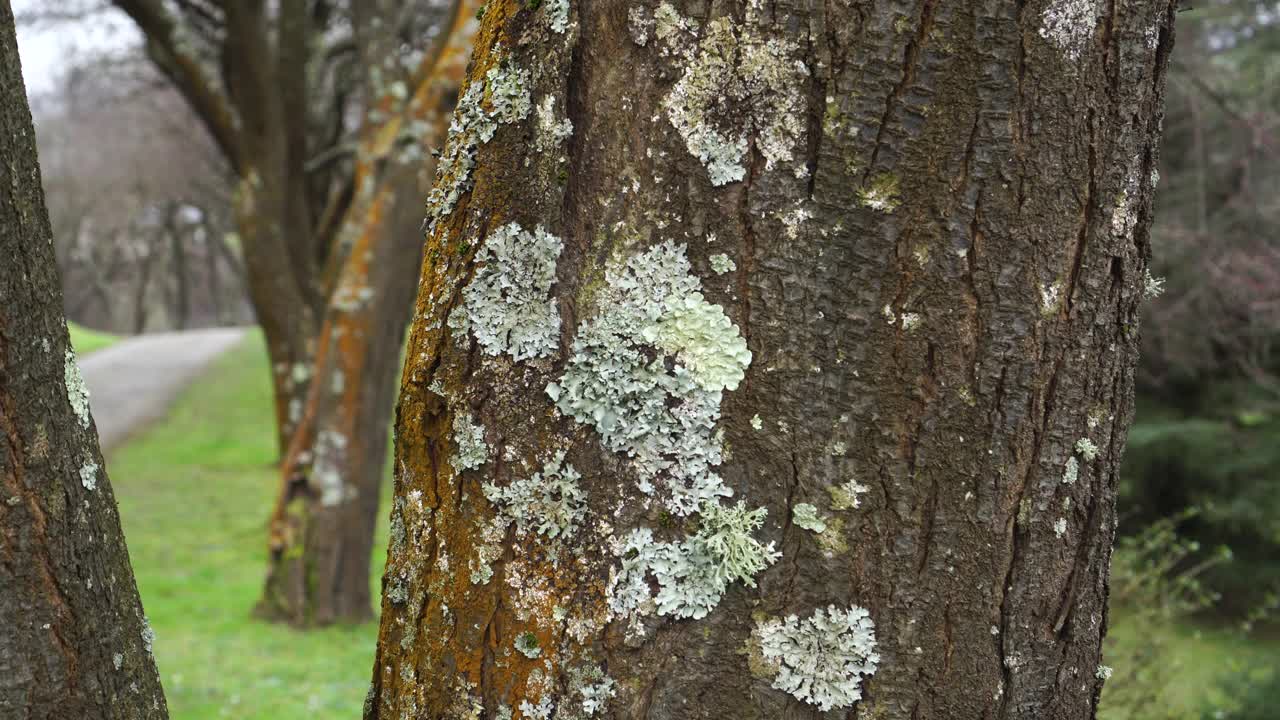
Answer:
[(194, 495), (85, 341)]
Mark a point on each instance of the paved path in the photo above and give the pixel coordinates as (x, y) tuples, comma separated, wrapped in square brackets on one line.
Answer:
[(133, 382)]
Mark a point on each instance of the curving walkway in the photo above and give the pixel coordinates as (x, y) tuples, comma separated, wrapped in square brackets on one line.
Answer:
[(133, 382)]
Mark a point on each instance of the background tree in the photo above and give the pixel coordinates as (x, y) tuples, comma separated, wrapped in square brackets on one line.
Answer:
[(793, 374), (324, 112), (75, 641)]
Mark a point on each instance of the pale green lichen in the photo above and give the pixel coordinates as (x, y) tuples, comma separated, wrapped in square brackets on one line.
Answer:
[(1050, 298), (806, 516), (77, 391), (756, 422), (550, 503), (823, 658), (89, 475), (721, 264), (551, 131), (661, 417), (693, 574), (509, 307), (557, 15), (473, 451), (1072, 471), (735, 83), (1087, 449), (1152, 286), (501, 97), (527, 644), (846, 496)]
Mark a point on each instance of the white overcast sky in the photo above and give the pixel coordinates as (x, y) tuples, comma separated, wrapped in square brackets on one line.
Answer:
[(48, 48)]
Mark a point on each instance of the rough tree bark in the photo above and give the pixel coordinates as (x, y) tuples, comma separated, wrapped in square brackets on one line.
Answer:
[(322, 529), (927, 221), (74, 642)]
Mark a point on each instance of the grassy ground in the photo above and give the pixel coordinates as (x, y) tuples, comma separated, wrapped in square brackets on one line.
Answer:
[(86, 341), (194, 497)]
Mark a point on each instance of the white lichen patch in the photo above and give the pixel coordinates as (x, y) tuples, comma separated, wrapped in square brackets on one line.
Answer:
[(721, 264), (550, 503), (557, 15), (1060, 527), (693, 574), (551, 131), (640, 24), (806, 516), (735, 83), (1087, 449), (148, 636), (1152, 286), (473, 451), (326, 471), (1069, 25), (77, 391), (1050, 298), (910, 321), (509, 307), (1072, 471), (823, 658), (756, 422), (501, 97), (488, 550), (89, 475), (661, 417)]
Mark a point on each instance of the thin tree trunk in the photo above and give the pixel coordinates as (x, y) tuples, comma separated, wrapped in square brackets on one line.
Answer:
[(927, 222), (74, 642), (321, 538)]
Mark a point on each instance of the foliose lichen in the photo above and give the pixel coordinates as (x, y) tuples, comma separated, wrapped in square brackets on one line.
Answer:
[(326, 472), (551, 132), (721, 264), (473, 451), (89, 475), (661, 417), (806, 516), (1072, 471), (557, 15), (823, 658), (550, 503), (527, 644), (692, 574), (508, 304), (735, 83), (77, 391), (502, 97), (1087, 449)]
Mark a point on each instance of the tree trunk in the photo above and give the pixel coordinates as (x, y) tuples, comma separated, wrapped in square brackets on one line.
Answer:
[(321, 538), (75, 643), (927, 222)]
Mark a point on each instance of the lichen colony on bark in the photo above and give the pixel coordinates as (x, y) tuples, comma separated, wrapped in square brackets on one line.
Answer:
[(796, 360)]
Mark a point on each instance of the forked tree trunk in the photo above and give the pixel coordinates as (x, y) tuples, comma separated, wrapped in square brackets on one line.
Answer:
[(321, 534), (73, 639), (927, 221)]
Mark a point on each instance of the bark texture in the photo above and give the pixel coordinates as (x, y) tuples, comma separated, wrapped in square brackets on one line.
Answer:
[(74, 641), (927, 221)]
